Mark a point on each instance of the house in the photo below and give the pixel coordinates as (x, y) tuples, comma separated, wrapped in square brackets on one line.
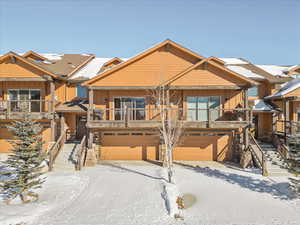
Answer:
[(41, 84), (111, 102), (210, 99), (270, 79)]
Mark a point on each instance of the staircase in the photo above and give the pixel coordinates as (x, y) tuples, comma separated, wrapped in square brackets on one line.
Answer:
[(276, 165), (66, 158)]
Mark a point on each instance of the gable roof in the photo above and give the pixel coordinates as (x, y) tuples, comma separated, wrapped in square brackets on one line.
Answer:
[(256, 72), (27, 54), (287, 88), (141, 55), (214, 62), (29, 62)]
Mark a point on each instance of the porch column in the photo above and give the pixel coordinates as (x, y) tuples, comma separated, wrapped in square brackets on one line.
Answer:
[(246, 129), (91, 103), (51, 109), (286, 116), (89, 117)]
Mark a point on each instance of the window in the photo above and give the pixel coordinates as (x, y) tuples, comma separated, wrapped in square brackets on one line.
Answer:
[(253, 92), (25, 100), (81, 91), (135, 107), (198, 107)]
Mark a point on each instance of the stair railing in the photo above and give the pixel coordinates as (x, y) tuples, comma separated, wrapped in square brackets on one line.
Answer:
[(55, 149), (81, 150), (259, 155)]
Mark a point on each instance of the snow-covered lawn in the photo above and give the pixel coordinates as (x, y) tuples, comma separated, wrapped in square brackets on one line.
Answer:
[(129, 193)]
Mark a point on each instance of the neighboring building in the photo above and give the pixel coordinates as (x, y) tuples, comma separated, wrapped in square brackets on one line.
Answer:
[(270, 78), (211, 100), (40, 84)]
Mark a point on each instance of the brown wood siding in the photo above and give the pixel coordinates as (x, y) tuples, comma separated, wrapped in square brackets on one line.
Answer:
[(150, 70), (18, 69), (5, 136)]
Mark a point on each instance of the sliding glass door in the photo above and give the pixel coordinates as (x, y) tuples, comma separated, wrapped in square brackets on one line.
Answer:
[(198, 106), (133, 106)]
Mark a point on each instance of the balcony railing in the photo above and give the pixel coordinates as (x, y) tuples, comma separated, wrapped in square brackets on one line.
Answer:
[(189, 117), (13, 109), (288, 127)]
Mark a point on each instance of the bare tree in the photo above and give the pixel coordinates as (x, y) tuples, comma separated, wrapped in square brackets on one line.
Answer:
[(171, 128)]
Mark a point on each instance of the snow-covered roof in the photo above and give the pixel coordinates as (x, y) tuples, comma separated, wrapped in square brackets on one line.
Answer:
[(92, 68), (275, 70), (52, 56), (245, 72), (261, 105), (231, 61), (287, 88)]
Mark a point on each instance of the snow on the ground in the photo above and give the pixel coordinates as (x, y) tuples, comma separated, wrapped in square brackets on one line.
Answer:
[(170, 194), (229, 196), (126, 193)]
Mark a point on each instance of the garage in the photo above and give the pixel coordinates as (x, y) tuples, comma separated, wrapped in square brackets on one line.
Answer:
[(129, 147), (201, 147)]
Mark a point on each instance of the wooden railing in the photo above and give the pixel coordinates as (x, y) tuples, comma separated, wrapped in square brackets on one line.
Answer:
[(258, 155), (129, 114), (81, 152), (288, 127), (13, 108), (55, 149), (281, 147)]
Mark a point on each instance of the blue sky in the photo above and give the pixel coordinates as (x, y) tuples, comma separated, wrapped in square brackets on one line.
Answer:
[(263, 31)]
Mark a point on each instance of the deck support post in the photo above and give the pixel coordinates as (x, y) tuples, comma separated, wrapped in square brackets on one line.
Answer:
[(52, 105), (246, 129)]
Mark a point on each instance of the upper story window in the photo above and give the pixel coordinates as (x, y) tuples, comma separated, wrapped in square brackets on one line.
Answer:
[(24, 100), (198, 106), (81, 91), (132, 107), (253, 92)]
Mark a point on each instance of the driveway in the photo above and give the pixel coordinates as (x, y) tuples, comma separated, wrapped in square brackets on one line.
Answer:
[(123, 193)]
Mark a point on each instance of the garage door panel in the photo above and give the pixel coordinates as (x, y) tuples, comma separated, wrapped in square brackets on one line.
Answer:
[(129, 148), (203, 147)]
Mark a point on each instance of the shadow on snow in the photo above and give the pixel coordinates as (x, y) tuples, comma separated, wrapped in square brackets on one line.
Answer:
[(277, 190)]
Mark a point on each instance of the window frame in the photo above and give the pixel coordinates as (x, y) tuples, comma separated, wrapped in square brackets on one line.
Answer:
[(197, 109), (86, 94), (133, 117), (257, 92), (29, 99)]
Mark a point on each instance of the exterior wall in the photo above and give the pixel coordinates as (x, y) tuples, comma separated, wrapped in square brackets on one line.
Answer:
[(5, 136), (150, 70), (18, 69), (209, 75), (230, 99)]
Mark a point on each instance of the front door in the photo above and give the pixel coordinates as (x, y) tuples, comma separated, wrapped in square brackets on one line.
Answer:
[(80, 126)]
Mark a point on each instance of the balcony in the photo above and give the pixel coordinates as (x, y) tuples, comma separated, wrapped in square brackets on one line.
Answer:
[(14, 109), (151, 118)]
